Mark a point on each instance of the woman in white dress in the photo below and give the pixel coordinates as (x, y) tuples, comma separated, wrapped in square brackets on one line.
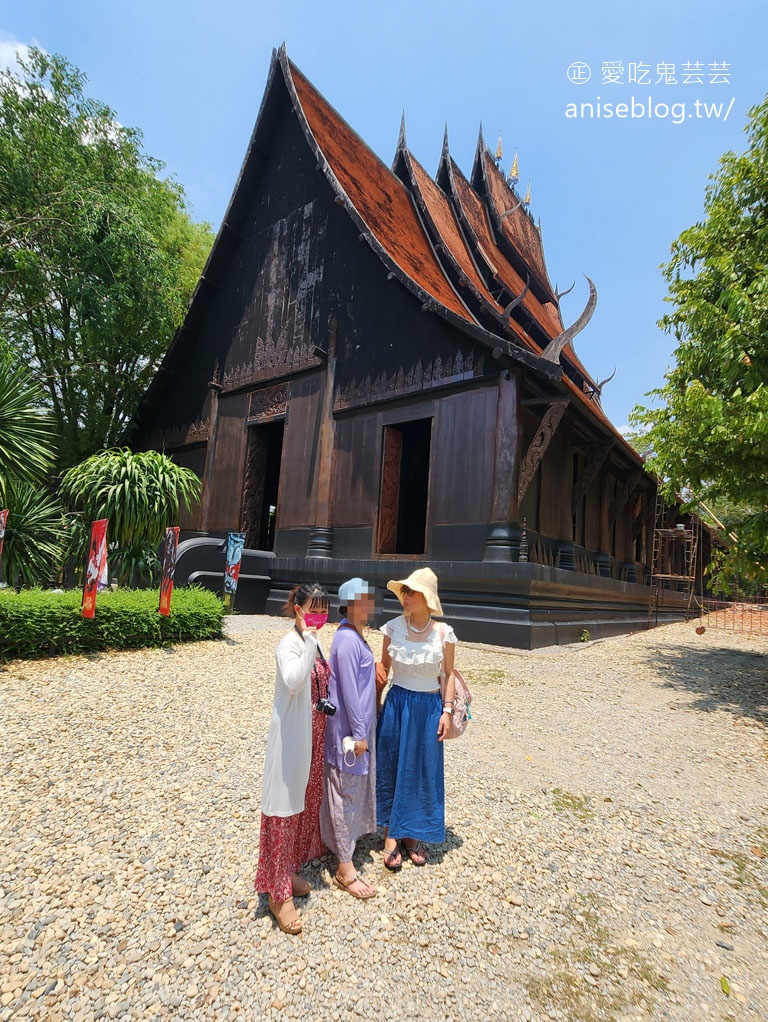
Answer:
[(410, 786)]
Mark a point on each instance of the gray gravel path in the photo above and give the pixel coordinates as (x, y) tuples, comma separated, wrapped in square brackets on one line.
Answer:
[(606, 857)]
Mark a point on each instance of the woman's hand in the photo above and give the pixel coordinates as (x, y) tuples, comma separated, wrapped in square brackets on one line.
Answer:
[(361, 747), (444, 725), (382, 676)]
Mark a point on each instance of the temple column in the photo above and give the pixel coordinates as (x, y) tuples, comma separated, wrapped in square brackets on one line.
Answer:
[(320, 543), (503, 540), (205, 496)]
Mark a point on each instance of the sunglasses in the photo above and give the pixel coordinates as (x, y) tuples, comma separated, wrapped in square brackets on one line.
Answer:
[(405, 591)]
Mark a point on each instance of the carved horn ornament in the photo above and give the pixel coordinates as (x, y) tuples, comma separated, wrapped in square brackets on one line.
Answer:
[(509, 212), (562, 294), (599, 386), (553, 350), (516, 301)]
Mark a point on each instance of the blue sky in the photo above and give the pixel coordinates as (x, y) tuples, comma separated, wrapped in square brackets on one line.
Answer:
[(612, 192)]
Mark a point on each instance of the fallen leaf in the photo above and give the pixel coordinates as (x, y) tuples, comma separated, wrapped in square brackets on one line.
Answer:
[(757, 851), (725, 986)]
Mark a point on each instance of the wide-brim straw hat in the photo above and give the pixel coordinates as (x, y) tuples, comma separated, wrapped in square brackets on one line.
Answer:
[(423, 581)]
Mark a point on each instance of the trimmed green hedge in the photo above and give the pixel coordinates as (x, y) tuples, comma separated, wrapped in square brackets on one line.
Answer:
[(37, 623)]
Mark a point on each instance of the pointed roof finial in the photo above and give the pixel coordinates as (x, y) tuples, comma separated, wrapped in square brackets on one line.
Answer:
[(527, 199), (445, 141), (514, 172), (401, 143), (499, 151)]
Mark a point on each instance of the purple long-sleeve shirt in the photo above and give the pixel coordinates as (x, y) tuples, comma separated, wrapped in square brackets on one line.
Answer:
[(353, 691)]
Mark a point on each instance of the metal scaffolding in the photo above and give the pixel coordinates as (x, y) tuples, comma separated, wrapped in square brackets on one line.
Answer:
[(673, 563)]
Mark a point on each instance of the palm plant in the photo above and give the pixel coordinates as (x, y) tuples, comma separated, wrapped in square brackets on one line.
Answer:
[(27, 435), (35, 530), (33, 540), (140, 494)]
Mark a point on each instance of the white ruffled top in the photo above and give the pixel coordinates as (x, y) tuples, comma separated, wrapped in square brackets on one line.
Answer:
[(417, 659)]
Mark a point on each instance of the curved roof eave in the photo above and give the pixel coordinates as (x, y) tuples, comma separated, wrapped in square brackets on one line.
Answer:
[(461, 263)]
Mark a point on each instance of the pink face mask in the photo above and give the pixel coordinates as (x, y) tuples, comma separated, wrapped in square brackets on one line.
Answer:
[(315, 620)]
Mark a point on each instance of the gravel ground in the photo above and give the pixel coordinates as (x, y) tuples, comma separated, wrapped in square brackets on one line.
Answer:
[(606, 855)]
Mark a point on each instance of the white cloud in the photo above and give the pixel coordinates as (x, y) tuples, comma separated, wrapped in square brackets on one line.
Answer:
[(11, 49)]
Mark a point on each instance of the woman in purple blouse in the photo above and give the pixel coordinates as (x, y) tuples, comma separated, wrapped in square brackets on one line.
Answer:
[(349, 778)]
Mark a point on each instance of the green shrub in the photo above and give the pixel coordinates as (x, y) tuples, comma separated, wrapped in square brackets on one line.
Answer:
[(37, 623)]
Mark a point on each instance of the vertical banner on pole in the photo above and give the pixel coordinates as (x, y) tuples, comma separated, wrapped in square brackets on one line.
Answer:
[(97, 560), (3, 522), (235, 543), (103, 582), (170, 546)]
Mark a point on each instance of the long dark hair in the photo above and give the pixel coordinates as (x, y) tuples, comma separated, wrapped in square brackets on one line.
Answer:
[(302, 593)]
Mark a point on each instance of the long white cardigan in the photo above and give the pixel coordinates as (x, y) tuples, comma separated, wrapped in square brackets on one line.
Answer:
[(289, 746)]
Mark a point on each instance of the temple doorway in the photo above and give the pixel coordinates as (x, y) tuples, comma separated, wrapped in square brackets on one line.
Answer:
[(262, 485), (405, 488)]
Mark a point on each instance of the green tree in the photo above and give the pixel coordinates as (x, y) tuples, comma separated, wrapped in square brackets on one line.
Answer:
[(98, 254), (140, 494), (708, 433)]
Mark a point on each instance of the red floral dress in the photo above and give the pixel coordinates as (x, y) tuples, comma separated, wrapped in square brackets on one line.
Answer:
[(287, 842)]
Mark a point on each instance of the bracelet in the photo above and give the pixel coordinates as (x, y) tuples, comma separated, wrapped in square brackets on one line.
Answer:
[(447, 709)]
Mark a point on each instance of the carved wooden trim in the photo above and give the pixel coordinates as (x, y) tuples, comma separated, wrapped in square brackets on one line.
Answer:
[(419, 377), (390, 490), (180, 436), (645, 515), (270, 359), (252, 510), (624, 491), (267, 404), (539, 445), (595, 460)]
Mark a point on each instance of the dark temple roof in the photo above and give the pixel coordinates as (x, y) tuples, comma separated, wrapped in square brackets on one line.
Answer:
[(445, 239)]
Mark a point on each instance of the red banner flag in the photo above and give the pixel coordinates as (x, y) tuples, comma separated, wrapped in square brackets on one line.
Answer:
[(170, 546), (97, 559), (3, 521)]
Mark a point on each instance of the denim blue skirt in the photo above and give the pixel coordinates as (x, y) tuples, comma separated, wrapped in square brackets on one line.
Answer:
[(410, 782)]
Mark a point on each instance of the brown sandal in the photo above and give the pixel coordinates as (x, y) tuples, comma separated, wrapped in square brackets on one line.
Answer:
[(292, 924), (346, 885)]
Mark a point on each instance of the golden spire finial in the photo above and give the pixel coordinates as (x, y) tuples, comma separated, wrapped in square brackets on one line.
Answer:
[(514, 172), (499, 150), (527, 199)]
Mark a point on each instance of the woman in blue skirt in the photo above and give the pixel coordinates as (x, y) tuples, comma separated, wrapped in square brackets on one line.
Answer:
[(410, 786)]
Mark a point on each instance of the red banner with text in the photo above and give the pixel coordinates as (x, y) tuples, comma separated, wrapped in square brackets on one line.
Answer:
[(3, 522), (170, 546), (97, 565)]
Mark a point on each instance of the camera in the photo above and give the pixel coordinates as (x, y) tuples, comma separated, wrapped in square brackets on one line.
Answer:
[(325, 706)]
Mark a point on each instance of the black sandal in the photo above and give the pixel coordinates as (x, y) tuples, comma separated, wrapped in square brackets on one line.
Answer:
[(415, 853), (393, 861)]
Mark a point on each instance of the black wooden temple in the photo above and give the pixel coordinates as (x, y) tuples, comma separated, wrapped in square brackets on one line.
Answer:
[(373, 374)]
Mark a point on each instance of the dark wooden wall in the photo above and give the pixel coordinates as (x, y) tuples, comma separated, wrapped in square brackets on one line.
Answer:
[(463, 457)]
